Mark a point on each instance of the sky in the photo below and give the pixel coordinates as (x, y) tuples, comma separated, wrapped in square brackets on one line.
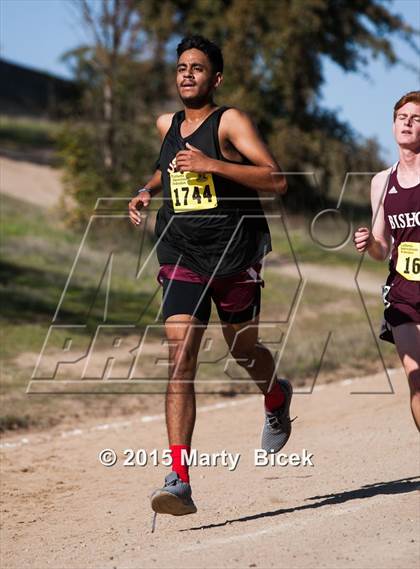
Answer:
[(36, 33)]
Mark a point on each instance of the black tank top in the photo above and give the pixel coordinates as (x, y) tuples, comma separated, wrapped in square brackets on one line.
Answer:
[(209, 224)]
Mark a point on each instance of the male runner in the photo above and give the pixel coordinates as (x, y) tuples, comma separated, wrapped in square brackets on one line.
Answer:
[(212, 235), (396, 216)]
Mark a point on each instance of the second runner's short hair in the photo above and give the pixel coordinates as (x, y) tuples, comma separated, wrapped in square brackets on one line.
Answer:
[(212, 50), (411, 97)]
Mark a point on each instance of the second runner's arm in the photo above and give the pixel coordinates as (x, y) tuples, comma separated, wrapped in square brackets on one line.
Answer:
[(377, 242)]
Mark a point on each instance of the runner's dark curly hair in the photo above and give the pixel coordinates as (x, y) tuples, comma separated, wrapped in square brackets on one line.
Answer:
[(212, 50)]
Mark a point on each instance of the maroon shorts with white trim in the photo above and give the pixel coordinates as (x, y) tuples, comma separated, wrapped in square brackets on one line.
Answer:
[(237, 297), (401, 298)]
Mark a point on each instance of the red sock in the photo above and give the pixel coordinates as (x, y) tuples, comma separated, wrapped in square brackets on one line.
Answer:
[(177, 463), (275, 398)]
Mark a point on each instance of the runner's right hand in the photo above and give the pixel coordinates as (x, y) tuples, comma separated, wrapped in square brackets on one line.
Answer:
[(362, 239), (136, 204)]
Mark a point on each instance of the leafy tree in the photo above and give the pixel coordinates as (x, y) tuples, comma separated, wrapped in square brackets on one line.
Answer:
[(274, 52), (106, 148)]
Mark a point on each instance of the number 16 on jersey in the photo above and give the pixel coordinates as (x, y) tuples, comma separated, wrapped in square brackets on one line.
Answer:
[(408, 263)]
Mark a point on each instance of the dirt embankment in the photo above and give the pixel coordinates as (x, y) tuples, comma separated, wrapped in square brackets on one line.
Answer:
[(33, 183)]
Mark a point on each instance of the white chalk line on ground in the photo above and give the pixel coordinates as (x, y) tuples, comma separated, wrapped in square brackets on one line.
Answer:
[(115, 425), (279, 528), (25, 441)]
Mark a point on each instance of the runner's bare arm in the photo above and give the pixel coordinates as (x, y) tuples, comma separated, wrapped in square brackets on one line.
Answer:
[(154, 185), (264, 173), (163, 124), (377, 241), (380, 244)]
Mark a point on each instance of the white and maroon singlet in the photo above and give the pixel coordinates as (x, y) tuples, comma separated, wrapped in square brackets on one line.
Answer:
[(402, 215)]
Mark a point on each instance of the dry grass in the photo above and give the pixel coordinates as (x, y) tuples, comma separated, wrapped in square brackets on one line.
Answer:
[(38, 253)]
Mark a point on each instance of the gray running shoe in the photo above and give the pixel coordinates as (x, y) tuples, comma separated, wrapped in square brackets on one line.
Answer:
[(174, 498), (277, 425)]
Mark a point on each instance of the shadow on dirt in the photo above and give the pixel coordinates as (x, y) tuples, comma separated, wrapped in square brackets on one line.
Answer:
[(402, 486)]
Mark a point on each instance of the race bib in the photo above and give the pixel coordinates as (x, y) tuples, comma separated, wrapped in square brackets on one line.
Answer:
[(191, 191), (408, 264)]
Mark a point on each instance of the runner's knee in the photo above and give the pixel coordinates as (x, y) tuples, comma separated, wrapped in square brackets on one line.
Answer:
[(183, 363), (414, 381), (243, 357)]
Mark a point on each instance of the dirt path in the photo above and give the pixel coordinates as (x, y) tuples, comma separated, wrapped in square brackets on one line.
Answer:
[(356, 507), (339, 277), (33, 183)]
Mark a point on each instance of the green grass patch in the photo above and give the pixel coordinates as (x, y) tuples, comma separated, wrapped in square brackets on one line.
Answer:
[(299, 244), (38, 254), (26, 133), (38, 264)]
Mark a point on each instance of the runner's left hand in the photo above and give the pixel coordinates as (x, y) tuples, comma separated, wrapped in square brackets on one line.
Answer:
[(193, 160), (362, 238)]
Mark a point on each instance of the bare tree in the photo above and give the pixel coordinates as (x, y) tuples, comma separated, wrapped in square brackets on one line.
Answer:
[(115, 28)]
